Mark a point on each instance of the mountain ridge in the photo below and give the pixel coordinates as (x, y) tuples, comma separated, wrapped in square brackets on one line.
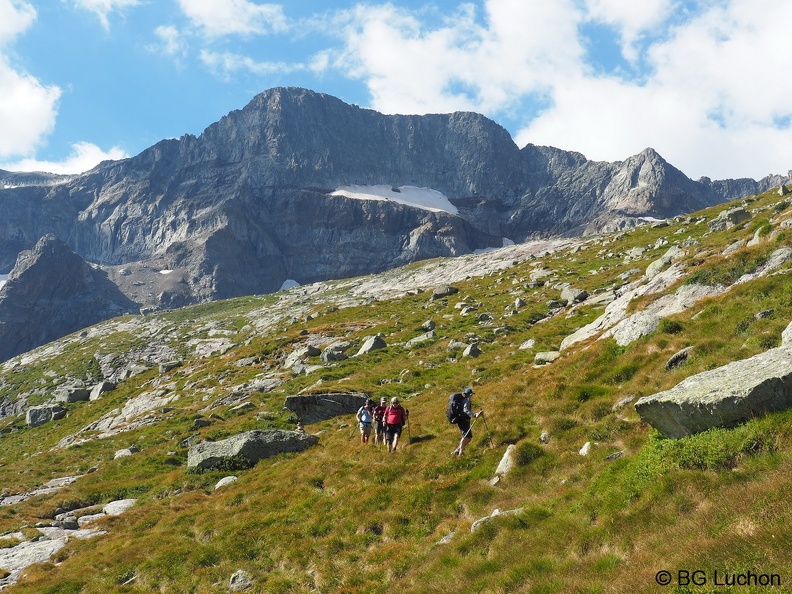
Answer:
[(247, 205)]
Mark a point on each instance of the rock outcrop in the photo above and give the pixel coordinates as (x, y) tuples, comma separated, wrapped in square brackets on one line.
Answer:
[(51, 292), (312, 408), (722, 397)]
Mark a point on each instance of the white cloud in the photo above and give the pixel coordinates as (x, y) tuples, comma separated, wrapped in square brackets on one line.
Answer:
[(712, 94), (84, 156), (219, 18), (15, 18), (103, 8), (171, 41), (28, 107), (226, 64), (461, 64), (631, 19), (716, 102)]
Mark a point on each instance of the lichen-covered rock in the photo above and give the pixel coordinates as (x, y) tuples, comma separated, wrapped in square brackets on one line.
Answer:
[(251, 445), (722, 397)]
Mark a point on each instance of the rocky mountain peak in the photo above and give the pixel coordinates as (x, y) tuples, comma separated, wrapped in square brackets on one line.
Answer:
[(51, 292)]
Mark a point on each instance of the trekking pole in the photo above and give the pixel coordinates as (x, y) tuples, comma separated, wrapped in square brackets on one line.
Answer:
[(466, 433), (409, 434), (489, 435)]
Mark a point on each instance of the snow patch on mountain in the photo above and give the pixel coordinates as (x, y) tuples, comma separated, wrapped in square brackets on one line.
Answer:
[(424, 198)]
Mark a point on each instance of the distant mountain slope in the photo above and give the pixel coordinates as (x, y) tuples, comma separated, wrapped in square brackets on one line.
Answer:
[(249, 203)]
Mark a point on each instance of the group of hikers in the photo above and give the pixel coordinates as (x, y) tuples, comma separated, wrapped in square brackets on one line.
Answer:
[(386, 421)]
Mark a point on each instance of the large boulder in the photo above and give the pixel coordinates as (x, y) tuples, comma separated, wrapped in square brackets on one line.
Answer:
[(39, 415), (252, 446), (722, 397), (312, 408)]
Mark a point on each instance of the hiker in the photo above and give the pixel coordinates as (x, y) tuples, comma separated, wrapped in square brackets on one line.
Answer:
[(379, 421), (460, 413), (365, 416), (395, 418)]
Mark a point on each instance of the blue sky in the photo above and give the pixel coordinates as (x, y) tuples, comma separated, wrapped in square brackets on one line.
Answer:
[(704, 82)]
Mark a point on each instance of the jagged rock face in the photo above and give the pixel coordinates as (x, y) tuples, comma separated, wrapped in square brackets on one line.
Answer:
[(248, 205), (51, 292)]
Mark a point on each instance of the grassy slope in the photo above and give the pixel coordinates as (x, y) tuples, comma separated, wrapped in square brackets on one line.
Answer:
[(346, 518)]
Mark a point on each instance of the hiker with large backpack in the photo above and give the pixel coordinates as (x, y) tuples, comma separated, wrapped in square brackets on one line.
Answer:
[(459, 413), (395, 418)]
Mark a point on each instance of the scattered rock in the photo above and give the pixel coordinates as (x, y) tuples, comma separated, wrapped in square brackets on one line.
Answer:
[(507, 462), (336, 351), (251, 445), (428, 326), (622, 403), (301, 354), (546, 357), (584, 451), (573, 295), (68, 394), (420, 340), (496, 513), (678, 359), (101, 388), (472, 350), (444, 291), (240, 581), (225, 481), (372, 343)]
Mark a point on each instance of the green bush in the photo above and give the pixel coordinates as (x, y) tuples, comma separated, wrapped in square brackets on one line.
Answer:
[(670, 326), (527, 452)]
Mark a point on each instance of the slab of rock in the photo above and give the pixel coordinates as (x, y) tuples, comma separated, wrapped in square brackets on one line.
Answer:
[(72, 394), (336, 351), (101, 388), (444, 291), (39, 415), (312, 408), (252, 445), (372, 343), (722, 397), (420, 340), (546, 357), (507, 462)]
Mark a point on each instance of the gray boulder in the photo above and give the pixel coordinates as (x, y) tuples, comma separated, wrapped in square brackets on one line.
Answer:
[(39, 415), (722, 397), (420, 340), (72, 394), (372, 343), (573, 295), (546, 357), (99, 389), (312, 408), (444, 291), (678, 359), (300, 355), (252, 445), (472, 351), (336, 351)]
